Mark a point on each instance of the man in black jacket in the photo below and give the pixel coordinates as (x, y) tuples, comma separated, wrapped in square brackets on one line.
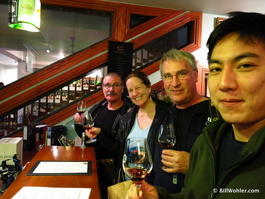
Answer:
[(106, 115), (189, 114)]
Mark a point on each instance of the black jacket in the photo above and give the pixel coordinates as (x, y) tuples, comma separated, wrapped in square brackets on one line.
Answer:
[(196, 118), (97, 108), (101, 152)]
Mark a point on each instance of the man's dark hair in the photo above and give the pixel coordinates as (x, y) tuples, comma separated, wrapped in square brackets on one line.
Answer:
[(249, 26)]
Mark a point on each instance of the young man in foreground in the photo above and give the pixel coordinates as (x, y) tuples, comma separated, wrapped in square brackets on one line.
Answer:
[(227, 160)]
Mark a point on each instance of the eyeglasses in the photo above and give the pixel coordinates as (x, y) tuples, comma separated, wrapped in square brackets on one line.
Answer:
[(108, 86), (183, 74)]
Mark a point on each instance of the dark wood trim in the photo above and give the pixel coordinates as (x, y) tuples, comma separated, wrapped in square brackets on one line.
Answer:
[(196, 18)]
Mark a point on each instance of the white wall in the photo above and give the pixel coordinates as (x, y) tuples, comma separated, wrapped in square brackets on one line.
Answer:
[(208, 23), (8, 74)]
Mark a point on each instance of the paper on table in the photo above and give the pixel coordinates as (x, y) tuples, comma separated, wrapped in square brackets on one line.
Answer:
[(61, 167), (29, 192)]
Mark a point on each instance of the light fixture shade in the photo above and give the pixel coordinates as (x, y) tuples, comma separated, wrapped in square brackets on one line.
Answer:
[(24, 14)]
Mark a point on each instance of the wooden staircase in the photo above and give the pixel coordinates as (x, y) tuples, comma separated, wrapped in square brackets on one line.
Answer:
[(31, 87)]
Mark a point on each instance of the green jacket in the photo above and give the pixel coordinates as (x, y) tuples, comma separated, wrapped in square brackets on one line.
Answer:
[(244, 179)]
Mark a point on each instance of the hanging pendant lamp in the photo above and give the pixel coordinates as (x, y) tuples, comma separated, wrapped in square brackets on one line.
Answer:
[(24, 15)]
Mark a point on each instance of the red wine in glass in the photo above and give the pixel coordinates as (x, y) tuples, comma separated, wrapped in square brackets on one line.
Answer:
[(167, 144), (137, 161), (167, 136), (81, 108), (88, 123), (138, 175), (80, 112)]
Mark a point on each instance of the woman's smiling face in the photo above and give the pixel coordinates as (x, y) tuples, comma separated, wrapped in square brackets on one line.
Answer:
[(138, 91)]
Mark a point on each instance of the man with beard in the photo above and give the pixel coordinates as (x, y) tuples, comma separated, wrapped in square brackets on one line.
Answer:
[(106, 115)]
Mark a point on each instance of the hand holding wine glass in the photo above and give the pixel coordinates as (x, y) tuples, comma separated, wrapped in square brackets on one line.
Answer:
[(81, 108), (137, 160), (167, 136), (88, 123)]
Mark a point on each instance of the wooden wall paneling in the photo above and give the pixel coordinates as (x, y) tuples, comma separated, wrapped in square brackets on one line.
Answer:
[(91, 4), (120, 24), (196, 18), (151, 11), (149, 30)]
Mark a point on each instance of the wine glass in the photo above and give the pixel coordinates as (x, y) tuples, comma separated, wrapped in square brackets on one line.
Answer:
[(167, 136), (81, 108), (88, 123), (83, 139), (137, 160)]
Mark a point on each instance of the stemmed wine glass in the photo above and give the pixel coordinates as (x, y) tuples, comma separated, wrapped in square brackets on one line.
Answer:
[(167, 136), (88, 123), (81, 108), (137, 160)]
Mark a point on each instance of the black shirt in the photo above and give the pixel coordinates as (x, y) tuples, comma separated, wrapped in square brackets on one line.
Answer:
[(104, 120), (183, 118), (229, 153), (188, 125)]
